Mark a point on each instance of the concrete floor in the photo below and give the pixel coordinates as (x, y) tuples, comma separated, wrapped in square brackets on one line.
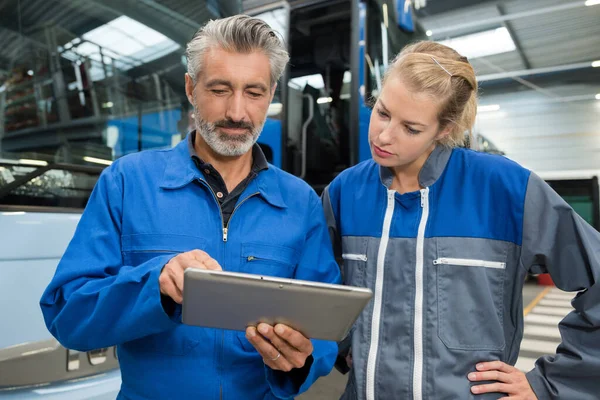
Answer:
[(332, 386)]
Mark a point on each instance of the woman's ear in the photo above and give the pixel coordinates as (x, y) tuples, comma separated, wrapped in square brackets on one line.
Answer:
[(447, 130)]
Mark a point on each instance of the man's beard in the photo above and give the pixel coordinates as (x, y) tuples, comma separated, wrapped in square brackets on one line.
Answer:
[(223, 143)]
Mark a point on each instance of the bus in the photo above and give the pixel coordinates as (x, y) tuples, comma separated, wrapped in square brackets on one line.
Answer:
[(318, 121)]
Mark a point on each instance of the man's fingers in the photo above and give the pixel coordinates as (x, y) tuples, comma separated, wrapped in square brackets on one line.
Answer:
[(198, 255), (168, 288), (291, 354), (271, 355), (294, 338), (490, 376), (263, 346), (212, 264)]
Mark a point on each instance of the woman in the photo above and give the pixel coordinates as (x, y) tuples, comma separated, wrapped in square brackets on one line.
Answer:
[(444, 236)]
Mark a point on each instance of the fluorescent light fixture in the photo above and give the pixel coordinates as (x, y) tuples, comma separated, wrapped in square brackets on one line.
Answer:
[(14, 213), (488, 108), (590, 3), (33, 162), (30, 72), (482, 44), (274, 109), (97, 160), (323, 100), (315, 81), (596, 64), (598, 96), (429, 33), (385, 14), (108, 104)]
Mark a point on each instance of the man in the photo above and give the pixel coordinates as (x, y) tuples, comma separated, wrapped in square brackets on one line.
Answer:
[(211, 202)]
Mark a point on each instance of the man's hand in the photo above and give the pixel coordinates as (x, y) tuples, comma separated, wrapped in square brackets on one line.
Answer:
[(171, 277), (509, 379), (281, 347)]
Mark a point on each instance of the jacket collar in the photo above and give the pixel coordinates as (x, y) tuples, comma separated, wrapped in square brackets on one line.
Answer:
[(431, 171), (181, 171)]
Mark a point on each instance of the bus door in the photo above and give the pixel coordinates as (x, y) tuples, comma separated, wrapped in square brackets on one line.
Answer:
[(272, 139)]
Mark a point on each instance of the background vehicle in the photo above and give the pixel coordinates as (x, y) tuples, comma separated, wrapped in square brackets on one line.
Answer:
[(40, 207), (339, 51)]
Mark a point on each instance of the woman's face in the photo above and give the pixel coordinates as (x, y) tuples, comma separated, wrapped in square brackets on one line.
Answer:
[(404, 126)]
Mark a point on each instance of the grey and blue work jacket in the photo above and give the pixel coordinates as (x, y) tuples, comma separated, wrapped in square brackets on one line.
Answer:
[(447, 265)]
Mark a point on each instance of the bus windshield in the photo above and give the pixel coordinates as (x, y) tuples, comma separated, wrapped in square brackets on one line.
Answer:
[(54, 186)]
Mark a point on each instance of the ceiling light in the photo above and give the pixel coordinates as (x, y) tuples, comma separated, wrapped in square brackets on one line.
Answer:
[(323, 100), (488, 108), (481, 44), (598, 96), (592, 2), (33, 162), (97, 160), (429, 33), (596, 64)]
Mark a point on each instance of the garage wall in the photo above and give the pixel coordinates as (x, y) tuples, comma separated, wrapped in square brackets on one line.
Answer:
[(545, 133)]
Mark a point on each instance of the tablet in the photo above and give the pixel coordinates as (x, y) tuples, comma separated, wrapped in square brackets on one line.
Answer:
[(230, 300)]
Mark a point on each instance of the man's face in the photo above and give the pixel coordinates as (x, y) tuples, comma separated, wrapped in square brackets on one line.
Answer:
[(231, 98)]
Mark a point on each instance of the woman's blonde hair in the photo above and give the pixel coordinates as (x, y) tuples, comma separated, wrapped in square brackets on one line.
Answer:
[(439, 71)]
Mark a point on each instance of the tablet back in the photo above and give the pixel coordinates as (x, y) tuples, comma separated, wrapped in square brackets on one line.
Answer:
[(230, 300)]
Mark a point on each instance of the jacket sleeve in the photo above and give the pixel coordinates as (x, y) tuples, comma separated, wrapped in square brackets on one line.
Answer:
[(330, 201), (556, 240), (94, 300), (316, 264)]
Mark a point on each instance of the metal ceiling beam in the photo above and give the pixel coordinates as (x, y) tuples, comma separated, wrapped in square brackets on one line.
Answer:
[(180, 34), (514, 37), (441, 32), (173, 14), (534, 71)]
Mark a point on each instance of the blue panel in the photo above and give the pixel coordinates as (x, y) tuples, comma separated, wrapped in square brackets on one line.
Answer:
[(271, 136), (157, 131), (404, 15), (479, 195)]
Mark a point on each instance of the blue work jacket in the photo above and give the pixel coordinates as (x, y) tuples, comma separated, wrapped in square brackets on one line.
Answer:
[(145, 209)]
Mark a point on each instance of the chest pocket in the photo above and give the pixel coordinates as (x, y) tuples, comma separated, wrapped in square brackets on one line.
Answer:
[(139, 248), (269, 260), (470, 289), (354, 256)]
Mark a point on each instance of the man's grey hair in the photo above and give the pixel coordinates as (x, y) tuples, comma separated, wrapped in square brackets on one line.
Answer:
[(241, 34)]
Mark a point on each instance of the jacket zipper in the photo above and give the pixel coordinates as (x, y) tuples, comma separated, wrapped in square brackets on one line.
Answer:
[(355, 257), (466, 262), (218, 205), (226, 228), (225, 232), (418, 324), (375, 322)]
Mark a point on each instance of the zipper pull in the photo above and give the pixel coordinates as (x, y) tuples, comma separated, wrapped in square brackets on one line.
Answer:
[(224, 234)]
